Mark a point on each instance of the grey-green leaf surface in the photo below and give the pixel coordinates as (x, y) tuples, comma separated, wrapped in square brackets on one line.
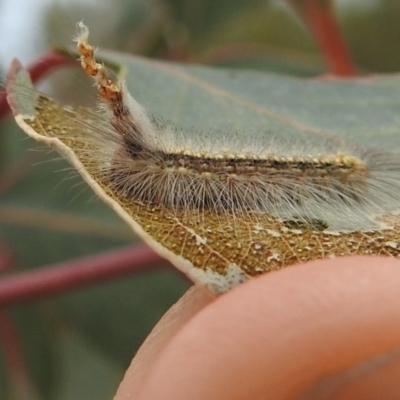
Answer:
[(362, 110)]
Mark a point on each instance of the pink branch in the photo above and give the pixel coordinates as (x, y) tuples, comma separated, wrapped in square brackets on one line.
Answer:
[(70, 275), (319, 17), (14, 358), (49, 62)]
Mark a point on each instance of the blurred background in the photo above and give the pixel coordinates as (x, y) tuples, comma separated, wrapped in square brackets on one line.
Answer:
[(78, 345), (260, 34)]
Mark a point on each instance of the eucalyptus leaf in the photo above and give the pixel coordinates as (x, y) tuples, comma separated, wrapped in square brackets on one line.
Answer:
[(222, 250)]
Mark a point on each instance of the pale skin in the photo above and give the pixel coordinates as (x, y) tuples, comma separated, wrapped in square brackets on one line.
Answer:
[(325, 330)]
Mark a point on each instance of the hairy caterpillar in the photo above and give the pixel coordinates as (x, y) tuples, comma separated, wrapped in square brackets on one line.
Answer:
[(223, 207)]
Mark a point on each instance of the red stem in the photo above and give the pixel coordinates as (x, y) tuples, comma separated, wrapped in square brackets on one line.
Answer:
[(320, 18), (42, 67), (55, 279), (14, 359)]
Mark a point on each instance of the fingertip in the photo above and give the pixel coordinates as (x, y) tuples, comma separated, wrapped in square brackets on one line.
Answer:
[(196, 298), (284, 333)]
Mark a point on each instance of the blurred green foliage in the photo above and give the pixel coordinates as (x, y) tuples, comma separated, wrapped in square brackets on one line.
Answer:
[(196, 29), (100, 328)]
